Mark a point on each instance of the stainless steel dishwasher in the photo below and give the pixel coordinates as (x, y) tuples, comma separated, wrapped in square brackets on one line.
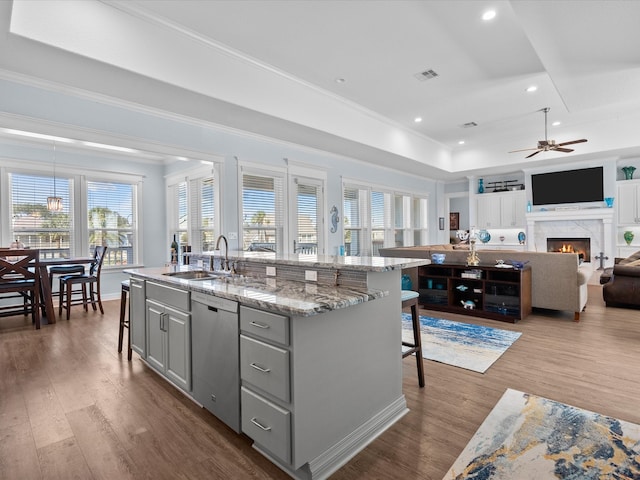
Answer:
[(215, 356)]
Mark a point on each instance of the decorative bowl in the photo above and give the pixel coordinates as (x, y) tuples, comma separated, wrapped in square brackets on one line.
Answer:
[(438, 258), (518, 265)]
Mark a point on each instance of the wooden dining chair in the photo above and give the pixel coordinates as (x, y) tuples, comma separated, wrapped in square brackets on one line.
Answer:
[(70, 296), (20, 278)]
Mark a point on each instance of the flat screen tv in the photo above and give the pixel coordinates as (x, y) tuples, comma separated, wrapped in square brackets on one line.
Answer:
[(569, 186)]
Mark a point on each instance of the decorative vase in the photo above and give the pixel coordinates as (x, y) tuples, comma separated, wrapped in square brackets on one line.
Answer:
[(628, 237), (628, 172), (609, 202), (481, 185), (484, 236), (521, 237)]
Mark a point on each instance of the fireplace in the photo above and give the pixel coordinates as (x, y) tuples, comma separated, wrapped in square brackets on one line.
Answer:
[(581, 246)]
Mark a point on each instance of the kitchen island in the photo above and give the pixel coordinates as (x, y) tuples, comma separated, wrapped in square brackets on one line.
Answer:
[(310, 370)]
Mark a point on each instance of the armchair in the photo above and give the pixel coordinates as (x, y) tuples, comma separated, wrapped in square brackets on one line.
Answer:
[(621, 284)]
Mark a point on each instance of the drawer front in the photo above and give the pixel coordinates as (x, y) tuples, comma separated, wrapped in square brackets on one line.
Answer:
[(270, 326), (166, 295), (265, 366), (267, 424)]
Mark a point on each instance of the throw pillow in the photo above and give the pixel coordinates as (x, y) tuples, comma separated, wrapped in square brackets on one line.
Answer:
[(631, 258), (635, 263)]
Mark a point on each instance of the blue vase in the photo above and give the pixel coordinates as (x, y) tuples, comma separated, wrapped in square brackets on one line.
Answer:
[(521, 237), (480, 185), (406, 282)]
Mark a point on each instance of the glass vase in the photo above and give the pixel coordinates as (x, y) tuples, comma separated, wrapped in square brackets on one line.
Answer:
[(628, 172), (480, 185), (628, 237)]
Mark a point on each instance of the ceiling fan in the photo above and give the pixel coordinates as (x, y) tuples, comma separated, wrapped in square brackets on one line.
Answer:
[(546, 145)]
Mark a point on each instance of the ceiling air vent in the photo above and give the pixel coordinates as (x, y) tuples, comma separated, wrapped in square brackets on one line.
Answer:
[(469, 125), (426, 75)]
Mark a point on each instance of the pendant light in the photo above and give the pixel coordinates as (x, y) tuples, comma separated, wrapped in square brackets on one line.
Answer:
[(54, 203)]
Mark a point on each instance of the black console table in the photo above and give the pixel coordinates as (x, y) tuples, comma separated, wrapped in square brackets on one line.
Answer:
[(485, 291)]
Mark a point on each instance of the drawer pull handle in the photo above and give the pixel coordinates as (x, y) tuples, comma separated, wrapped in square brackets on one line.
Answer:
[(259, 368), (259, 325), (259, 425)]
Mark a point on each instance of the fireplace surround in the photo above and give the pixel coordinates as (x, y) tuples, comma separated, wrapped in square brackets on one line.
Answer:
[(593, 223)]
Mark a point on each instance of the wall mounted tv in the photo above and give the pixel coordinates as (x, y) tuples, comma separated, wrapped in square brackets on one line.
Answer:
[(569, 186)]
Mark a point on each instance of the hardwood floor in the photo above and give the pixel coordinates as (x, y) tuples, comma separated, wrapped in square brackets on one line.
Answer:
[(72, 407)]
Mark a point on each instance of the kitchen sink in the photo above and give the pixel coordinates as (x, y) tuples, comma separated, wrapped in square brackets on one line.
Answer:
[(195, 275)]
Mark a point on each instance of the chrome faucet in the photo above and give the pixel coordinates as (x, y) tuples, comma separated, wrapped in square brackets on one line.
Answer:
[(225, 265)]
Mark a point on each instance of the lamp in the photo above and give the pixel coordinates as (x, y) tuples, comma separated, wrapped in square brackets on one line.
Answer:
[(54, 204)]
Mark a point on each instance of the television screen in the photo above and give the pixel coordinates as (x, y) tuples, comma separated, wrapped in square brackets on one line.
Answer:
[(570, 186)]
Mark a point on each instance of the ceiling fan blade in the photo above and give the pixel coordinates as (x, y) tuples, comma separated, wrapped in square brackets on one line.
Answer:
[(582, 140), (523, 150), (565, 150), (534, 153)]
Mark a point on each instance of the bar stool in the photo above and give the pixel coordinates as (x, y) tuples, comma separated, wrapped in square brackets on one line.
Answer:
[(124, 319), (63, 270), (410, 299)]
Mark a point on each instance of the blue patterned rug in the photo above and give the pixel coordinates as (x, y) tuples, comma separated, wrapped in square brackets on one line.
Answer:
[(473, 347), (530, 437)]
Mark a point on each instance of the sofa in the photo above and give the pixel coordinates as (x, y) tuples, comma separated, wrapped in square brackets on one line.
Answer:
[(621, 283), (558, 280)]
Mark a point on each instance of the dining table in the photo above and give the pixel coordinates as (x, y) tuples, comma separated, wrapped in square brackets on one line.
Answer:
[(45, 282)]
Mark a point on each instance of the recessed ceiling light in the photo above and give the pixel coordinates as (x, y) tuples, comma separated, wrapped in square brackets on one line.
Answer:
[(417, 119), (461, 142), (489, 15), (340, 80), (555, 124), (532, 88), (182, 159)]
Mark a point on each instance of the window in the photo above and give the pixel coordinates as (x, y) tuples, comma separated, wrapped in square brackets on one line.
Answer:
[(307, 221), (111, 220), (31, 222), (193, 210), (262, 213), (354, 207), (393, 219)]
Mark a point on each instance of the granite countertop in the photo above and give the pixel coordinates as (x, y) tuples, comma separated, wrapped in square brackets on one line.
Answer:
[(366, 264), (283, 296)]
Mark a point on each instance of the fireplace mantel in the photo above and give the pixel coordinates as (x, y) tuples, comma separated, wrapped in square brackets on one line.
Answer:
[(603, 214), (596, 223)]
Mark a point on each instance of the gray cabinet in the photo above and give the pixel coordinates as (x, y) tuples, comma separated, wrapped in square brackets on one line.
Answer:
[(169, 333), (266, 381), (216, 371), (137, 316)]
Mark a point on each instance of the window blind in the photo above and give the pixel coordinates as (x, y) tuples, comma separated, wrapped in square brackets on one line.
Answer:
[(31, 222), (262, 212), (307, 217), (111, 220)]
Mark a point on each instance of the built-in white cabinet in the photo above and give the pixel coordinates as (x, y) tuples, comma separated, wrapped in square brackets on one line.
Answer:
[(137, 316), (628, 202), (169, 333), (501, 210)]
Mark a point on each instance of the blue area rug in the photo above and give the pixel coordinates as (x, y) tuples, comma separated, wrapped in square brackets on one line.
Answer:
[(463, 345), (530, 437)]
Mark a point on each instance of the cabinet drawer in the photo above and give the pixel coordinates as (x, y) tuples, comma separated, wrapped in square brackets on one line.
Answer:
[(267, 424), (269, 326), (265, 366), (166, 295)]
